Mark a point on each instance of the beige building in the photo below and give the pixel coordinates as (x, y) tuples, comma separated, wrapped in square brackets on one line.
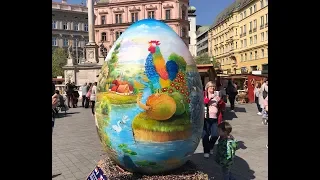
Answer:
[(70, 27), (238, 38)]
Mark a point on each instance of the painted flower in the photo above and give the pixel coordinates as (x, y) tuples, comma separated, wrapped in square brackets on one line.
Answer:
[(164, 89), (170, 91)]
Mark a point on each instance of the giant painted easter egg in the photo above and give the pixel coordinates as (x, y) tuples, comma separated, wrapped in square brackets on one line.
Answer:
[(149, 107)]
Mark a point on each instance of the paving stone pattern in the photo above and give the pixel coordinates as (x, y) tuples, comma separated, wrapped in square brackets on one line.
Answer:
[(76, 147)]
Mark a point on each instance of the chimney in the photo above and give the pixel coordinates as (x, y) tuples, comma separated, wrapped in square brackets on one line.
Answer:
[(64, 1)]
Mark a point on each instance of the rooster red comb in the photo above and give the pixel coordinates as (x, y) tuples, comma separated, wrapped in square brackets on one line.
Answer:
[(156, 42)]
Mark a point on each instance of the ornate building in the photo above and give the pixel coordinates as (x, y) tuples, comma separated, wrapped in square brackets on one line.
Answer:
[(112, 17), (70, 27), (238, 38)]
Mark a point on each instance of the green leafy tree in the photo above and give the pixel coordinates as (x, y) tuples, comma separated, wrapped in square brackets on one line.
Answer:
[(203, 59), (59, 59)]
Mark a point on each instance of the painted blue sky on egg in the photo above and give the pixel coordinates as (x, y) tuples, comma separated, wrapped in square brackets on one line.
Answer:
[(135, 42)]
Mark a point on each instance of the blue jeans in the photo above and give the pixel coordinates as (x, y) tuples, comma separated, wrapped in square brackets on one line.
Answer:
[(227, 175)]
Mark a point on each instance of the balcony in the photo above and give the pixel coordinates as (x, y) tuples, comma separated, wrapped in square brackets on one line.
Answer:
[(250, 31), (254, 29), (262, 26), (266, 25)]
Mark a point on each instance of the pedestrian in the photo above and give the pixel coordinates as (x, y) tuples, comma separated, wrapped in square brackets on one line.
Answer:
[(263, 93), (232, 93), (55, 100), (226, 149), (256, 97), (84, 94), (210, 131), (69, 91), (93, 97), (88, 95)]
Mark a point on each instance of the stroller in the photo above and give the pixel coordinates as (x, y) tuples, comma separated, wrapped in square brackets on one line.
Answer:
[(264, 117)]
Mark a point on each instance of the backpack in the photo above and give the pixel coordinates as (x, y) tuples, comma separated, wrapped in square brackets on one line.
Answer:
[(264, 93)]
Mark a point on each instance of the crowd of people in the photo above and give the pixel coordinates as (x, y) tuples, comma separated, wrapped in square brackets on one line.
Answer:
[(215, 129)]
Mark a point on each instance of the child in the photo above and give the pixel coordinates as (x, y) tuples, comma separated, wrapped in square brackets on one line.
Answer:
[(226, 149)]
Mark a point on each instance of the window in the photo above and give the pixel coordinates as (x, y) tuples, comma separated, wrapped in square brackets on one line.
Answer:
[(245, 42), (250, 10), (184, 32), (118, 18), (250, 28), (54, 41), (76, 26), (241, 30), (151, 14), (241, 43), (266, 35), (86, 27), (134, 17), (241, 16), (65, 25), (241, 57), (264, 67), (54, 24), (103, 19), (183, 14), (236, 18), (262, 20), (262, 36), (255, 39), (250, 58), (267, 18), (168, 15), (251, 41), (254, 8), (254, 24), (244, 14), (245, 56), (254, 68), (236, 45), (244, 28), (118, 34), (261, 2), (262, 53), (75, 42), (65, 42), (104, 37), (256, 55)]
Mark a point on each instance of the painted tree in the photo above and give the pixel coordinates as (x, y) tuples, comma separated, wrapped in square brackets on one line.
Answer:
[(59, 59)]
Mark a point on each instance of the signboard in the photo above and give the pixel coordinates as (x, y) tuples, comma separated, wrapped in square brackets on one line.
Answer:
[(97, 174)]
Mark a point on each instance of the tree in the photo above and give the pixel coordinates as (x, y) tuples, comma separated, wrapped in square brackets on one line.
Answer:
[(59, 59), (206, 59)]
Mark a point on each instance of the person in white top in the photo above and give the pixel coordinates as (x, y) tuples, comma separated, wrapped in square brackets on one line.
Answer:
[(256, 97), (263, 92), (93, 96)]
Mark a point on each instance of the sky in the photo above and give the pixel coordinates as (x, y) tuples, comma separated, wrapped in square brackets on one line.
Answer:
[(134, 42), (206, 12)]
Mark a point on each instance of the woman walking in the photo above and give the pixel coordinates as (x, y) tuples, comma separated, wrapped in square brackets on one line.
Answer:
[(210, 127), (256, 97), (93, 96)]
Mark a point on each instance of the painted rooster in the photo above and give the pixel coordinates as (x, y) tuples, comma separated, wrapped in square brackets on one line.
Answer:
[(158, 71)]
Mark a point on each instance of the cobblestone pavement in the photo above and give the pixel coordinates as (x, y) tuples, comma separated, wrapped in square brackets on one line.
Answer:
[(76, 146), (251, 161)]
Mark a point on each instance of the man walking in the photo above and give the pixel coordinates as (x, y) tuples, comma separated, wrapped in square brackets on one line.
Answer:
[(84, 93)]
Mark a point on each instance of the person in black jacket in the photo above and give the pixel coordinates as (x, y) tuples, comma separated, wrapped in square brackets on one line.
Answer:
[(232, 93)]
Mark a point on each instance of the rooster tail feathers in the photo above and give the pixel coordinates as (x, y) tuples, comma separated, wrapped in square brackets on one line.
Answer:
[(172, 69)]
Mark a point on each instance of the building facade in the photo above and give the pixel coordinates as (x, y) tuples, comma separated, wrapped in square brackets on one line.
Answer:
[(70, 27), (192, 17), (238, 38), (112, 17), (202, 40)]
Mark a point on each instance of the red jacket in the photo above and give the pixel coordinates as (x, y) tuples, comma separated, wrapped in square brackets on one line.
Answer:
[(221, 106)]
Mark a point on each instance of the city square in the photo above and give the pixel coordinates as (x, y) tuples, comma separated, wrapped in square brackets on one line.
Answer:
[(229, 50)]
